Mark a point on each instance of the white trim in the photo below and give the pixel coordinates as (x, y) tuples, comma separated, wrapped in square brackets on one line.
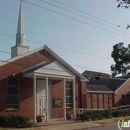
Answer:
[(34, 93), (53, 54), (122, 84), (46, 99), (48, 75), (55, 76), (83, 80), (74, 104), (21, 56), (99, 92), (65, 63)]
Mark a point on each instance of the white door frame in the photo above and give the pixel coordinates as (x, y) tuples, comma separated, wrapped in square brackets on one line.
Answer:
[(64, 98)]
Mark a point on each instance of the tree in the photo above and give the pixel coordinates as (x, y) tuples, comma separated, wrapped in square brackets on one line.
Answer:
[(123, 3), (120, 55)]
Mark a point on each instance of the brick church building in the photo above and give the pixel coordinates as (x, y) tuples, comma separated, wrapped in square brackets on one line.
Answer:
[(39, 82)]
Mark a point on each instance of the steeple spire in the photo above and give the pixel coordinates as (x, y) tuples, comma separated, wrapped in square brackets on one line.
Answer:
[(20, 29), (20, 47)]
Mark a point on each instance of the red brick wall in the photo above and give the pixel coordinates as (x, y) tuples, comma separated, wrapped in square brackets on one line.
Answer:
[(124, 90), (94, 101), (25, 99), (26, 86), (99, 100), (88, 101), (78, 97), (19, 65), (111, 100), (57, 93), (83, 95), (106, 103)]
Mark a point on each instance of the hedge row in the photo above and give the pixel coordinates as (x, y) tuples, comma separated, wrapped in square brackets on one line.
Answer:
[(15, 121), (103, 114), (120, 113)]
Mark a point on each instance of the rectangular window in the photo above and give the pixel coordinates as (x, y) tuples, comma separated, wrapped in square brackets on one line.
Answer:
[(69, 94), (12, 93)]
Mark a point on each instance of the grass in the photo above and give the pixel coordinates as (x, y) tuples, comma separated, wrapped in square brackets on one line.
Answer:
[(112, 120)]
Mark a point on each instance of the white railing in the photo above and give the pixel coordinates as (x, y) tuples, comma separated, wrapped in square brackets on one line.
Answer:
[(121, 107), (80, 111)]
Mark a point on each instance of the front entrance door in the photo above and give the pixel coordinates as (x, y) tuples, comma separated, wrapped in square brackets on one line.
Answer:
[(41, 99)]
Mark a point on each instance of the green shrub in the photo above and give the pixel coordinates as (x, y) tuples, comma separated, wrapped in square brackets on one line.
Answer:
[(96, 115), (16, 121), (103, 114), (120, 113), (107, 114)]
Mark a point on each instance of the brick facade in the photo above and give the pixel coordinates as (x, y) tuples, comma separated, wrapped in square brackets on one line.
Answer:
[(123, 90), (99, 100), (26, 99), (83, 99)]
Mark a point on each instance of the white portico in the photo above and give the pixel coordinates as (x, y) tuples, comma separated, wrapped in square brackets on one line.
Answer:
[(42, 75)]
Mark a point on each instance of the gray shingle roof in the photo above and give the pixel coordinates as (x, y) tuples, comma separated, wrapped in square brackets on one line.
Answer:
[(94, 73), (98, 88), (111, 83)]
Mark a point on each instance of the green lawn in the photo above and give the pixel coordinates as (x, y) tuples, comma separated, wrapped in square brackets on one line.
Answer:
[(112, 120)]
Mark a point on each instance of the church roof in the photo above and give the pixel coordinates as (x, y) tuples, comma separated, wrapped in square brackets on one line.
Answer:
[(82, 78), (112, 84)]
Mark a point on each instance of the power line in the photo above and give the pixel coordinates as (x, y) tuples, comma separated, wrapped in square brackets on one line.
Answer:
[(6, 43), (47, 68), (87, 14), (75, 19), (60, 54), (40, 42), (83, 59), (88, 68), (55, 69), (59, 70), (78, 51), (83, 16), (58, 47)]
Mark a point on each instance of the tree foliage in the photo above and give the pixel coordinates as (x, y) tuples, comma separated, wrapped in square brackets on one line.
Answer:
[(123, 3), (120, 55)]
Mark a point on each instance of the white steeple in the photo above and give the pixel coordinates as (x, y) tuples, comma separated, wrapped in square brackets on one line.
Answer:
[(20, 47), (20, 29)]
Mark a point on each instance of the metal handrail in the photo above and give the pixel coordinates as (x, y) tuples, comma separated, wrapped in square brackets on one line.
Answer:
[(119, 107)]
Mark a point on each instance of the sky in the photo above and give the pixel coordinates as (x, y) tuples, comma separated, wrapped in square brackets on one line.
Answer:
[(83, 38)]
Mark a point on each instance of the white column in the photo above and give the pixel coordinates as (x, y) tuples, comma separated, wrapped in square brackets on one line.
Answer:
[(46, 99), (74, 104), (34, 94), (64, 98)]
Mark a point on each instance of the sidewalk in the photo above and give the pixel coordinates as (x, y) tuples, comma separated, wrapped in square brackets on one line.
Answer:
[(74, 125)]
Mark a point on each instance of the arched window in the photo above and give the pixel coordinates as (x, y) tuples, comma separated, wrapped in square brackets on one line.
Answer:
[(12, 93)]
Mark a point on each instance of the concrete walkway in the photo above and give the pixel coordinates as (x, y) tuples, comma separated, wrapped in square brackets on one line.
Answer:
[(65, 125)]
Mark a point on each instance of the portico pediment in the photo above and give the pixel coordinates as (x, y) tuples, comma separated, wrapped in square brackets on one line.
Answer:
[(53, 69)]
